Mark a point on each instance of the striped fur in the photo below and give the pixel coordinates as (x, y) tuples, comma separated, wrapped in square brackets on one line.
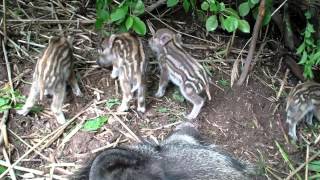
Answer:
[(303, 102), (181, 68), (53, 71), (125, 53)]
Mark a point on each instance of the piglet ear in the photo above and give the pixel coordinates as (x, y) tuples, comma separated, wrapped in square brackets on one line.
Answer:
[(177, 38), (165, 38), (111, 40)]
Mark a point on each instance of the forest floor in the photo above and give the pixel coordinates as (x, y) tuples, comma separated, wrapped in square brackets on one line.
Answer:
[(248, 121)]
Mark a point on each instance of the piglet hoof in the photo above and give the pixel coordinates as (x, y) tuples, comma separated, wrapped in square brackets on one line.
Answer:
[(159, 94), (190, 116), (122, 108), (141, 109), (61, 119), (78, 93)]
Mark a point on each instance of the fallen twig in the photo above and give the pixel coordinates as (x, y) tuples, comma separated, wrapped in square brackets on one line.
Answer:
[(4, 135)]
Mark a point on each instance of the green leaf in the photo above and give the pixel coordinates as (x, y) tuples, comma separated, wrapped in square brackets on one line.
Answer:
[(254, 1), (95, 124), (100, 4), (163, 110), (222, 7), (267, 17), (304, 58), (138, 9), (193, 3), (307, 14), (205, 5), (112, 102), (119, 13), (316, 57), (3, 169), (307, 72), (18, 106), (171, 3), (301, 48), (186, 5), (213, 7), (231, 23), (103, 14), (314, 166), (231, 12), (224, 82), (310, 28), (129, 22), (4, 101), (139, 26), (244, 9), (99, 23), (5, 107), (212, 23), (177, 96), (222, 19), (244, 26)]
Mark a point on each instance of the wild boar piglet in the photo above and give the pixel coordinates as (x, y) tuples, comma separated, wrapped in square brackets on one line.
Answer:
[(303, 103), (124, 52), (178, 66), (54, 70)]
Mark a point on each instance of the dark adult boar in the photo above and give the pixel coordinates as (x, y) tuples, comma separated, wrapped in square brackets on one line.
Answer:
[(181, 156)]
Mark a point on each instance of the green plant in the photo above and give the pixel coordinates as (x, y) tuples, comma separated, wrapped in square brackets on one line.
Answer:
[(112, 102), (3, 169), (314, 166), (124, 16), (95, 123), (7, 98), (308, 50), (163, 110), (224, 82)]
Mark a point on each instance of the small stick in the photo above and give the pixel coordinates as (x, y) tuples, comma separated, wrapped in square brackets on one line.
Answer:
[(4, 21), (124, 125), (6, 157), (307, 165), (8, 70), (317, 140), (29, 146), (284, 81), (4, 135)]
